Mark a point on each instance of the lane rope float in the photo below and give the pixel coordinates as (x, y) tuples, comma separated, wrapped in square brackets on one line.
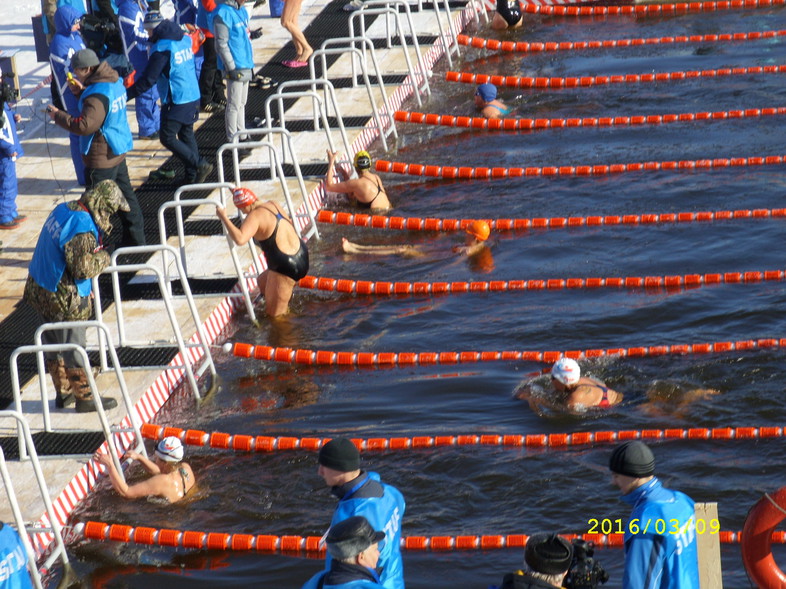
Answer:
[(328, 358), (648, 9), (587, 81), (367, 287), (431, 224), (93, 530), (268, 444), (524, 124), (538, 47), (470, 173)]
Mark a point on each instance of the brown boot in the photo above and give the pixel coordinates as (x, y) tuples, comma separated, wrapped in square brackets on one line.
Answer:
[(57, 371), (85, 402)]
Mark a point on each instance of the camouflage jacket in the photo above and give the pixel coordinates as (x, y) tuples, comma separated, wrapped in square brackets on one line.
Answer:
[(82, 261)]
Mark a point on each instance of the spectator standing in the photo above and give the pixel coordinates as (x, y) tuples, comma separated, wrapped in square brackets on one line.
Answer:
[(229, 24), (65, 43), (105, 138), (13, 560), (171, 67), (69, 253), (131, 14), (666, 560), (211, 87), (363, 493), (289, 20), (10, 150), (354, 548)]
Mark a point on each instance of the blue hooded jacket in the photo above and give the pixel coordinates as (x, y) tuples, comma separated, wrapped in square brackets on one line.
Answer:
[(64, 44), (665, 560)]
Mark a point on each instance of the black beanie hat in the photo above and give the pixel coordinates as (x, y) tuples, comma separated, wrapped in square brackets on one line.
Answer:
[(633, 459), (340, 454), (549, 554)]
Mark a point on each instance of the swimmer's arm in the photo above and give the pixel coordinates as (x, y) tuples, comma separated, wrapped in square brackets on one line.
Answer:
[(146, 463), (124, 489), (247, 230)]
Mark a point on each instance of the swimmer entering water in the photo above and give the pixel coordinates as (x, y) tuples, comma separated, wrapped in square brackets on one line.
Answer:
[(172, 478), (366, 190), (477, 234), (574, 392), (488, 105)]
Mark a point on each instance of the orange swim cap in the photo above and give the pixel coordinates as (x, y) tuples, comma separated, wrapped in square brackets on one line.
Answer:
[(479, 229), (242, 197)]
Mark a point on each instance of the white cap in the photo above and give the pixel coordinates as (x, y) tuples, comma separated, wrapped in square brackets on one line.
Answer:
[(567, 371), (170, 449)]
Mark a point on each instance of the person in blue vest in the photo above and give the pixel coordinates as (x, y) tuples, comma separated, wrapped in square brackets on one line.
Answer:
[(171, 67), (10, 151), (363, 493), (105, 138), (65, 43), (131, 15), (69, 253), (660, 539), (13, 560), (229, 25), (353, 546), (211, 85)]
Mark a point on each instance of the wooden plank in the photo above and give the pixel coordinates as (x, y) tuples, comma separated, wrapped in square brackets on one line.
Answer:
[(710, 572)]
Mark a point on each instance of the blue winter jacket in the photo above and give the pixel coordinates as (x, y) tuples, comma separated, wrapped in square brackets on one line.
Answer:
[(383, 506), (64, 44), (13, 560), (665, 560), (131, 16), (344, 576), (9, 140)]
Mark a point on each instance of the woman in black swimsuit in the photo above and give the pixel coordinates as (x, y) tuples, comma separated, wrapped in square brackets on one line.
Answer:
[(286, 254), (507, 16), (366, 190)]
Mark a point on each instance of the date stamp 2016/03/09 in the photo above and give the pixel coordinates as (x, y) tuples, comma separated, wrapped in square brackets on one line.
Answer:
[(650, 526)]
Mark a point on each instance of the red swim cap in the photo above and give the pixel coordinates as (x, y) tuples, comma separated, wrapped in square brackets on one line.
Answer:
[(242, 197)]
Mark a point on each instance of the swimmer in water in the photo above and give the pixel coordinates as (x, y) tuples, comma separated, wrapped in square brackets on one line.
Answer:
[(477, 234), (366, 190), (575, 392), (172, 478), (508, 15), (488, 105)]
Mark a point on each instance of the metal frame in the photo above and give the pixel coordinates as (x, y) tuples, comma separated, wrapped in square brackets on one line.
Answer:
[(59, 551)]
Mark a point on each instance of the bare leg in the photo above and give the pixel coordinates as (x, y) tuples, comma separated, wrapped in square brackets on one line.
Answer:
[(289, 20), (278, 292)]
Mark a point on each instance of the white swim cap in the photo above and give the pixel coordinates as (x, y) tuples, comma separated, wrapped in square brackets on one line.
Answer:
[(567, 371), (170, 449)]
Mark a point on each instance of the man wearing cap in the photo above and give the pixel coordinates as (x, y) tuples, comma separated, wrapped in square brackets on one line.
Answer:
[(69, 253), (547, 558), (363, 493), (488, 105), (574, 391), (171, 67), (285, 252), (172, 478), (660, 539), (354, 549), (366, 190), (104, 134)]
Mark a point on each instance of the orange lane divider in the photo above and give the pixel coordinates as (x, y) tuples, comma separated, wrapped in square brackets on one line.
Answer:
[(470, 173), (586, 81), (328, 358), (536, 47), (366, 287), (519, 124), (102, 531), (429, 224), (648, 9), (245, 443)]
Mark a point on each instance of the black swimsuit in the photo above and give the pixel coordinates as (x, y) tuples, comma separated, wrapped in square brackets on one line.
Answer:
[(294, 266), (510, 10), (367, 205)]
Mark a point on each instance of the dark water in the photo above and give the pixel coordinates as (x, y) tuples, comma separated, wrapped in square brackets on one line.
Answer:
[(480, 490)]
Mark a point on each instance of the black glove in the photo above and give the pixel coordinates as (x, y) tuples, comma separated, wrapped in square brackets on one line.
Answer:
[(256, 33), (235, 75)]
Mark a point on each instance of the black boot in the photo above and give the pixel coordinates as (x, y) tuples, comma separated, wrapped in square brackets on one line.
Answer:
[(85, 402)]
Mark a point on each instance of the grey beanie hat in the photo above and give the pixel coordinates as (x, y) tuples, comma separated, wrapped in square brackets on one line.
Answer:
[(84, 58), (633, 459), (340, 454), (350, 537)]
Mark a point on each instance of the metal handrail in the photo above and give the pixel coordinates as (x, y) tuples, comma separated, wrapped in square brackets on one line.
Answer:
[(59, 551), (346, 44), (390, 12)]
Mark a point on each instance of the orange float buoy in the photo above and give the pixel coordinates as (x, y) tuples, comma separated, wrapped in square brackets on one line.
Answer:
[(757, 541)]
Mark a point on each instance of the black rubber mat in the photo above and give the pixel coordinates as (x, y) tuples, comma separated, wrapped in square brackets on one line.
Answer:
[(56, 444), (18, 328)]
